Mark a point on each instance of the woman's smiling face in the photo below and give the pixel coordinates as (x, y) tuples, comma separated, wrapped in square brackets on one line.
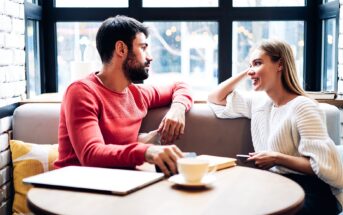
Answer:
[(263, 72)]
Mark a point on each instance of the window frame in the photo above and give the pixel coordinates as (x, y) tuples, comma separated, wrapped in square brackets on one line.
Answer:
[(329, 10), (33, 12), (225, 14)]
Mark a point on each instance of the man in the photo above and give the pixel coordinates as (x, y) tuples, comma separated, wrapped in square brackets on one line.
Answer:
[(101, 115)]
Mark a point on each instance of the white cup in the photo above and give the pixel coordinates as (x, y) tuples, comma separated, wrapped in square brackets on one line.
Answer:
[(193, 169)]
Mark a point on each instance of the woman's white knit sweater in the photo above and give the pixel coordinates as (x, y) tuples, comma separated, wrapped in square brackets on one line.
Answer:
[(297, 128)]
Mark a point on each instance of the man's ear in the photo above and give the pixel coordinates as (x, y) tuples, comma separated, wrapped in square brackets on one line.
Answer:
[(120, 48)]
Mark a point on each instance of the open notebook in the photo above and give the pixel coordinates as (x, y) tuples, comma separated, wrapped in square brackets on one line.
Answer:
[(116, 181)]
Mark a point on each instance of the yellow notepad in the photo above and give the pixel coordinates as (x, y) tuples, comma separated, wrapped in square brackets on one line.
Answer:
[(220, 162)]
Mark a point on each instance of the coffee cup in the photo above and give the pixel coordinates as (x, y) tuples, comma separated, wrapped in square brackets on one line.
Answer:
[(193, 169)]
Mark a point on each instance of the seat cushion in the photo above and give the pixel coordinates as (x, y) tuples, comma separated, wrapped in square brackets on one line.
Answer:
[(29, 159)]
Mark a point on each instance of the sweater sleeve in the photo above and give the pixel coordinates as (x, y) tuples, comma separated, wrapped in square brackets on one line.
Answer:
[(162, 95), (238, 104), (317, 145), (81, 108)]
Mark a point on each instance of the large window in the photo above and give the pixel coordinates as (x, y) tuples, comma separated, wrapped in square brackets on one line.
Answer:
[(76, 51), (329, 60), (89, 3), (268, 3), (180, 3), (202, 42), (33, 16), (247, 34), (33, 76)]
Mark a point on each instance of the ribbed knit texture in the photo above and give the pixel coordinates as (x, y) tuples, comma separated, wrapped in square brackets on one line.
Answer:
[(297, 128)]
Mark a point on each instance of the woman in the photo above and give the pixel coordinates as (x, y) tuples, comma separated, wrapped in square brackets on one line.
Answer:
[(288, 129)]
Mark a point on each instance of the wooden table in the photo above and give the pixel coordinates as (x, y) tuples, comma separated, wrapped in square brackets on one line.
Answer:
[(237, 190)]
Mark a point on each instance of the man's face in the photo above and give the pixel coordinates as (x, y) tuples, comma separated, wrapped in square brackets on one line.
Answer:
[(136, 65)]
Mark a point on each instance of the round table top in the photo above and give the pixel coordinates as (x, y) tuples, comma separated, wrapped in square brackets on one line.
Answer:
[(236, 190)]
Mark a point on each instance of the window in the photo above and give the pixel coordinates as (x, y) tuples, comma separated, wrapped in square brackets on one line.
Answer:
[(186, 51), (329, 69), (247, 34), (33, 15), (32, 61), (76, 51), (88, 3), (203, 42), (268, 3), (180, 3)]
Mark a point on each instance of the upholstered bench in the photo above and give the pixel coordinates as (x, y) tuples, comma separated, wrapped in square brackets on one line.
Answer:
[(204, 134)]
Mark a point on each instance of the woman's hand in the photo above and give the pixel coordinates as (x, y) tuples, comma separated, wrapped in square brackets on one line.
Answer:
[(264, 160)]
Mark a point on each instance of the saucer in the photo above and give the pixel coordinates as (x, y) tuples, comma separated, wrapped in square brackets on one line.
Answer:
[(179, 180)]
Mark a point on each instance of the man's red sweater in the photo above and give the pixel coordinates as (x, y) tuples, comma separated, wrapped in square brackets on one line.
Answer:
[(99, 127)]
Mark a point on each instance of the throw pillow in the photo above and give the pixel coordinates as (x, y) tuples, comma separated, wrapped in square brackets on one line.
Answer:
[(29, 159)]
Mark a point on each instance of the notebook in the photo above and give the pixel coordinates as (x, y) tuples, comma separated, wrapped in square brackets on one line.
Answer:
[(116, 181), (218, 161)]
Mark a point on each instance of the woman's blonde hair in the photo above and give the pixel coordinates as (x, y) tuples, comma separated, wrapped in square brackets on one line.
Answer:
[(280, 50)]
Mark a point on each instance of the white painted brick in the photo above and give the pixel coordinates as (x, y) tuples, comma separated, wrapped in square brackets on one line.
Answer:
[(18, 26), (340, 40), (340, 90), (21, 11), (340, 70), (6, 23), (19, 1), (15, 73), (8, 101), (19, 57), (12, 8), (14, 41), (6, 56), (13, 89), (4, 141), (2, 74), (5, 124), (2, 6), (2, 39), (340, 56)]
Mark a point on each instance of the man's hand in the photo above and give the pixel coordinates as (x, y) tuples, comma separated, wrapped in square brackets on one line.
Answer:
[(164, 157), (264, 160), (173, 123)]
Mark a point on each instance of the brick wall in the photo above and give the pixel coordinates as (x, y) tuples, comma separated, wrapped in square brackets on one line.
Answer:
[(340, 61), (12, 53)]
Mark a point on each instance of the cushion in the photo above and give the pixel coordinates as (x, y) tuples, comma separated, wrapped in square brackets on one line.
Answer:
[(29, 159)]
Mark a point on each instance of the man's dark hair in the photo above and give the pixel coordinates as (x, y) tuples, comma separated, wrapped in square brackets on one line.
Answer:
[(115, 29)]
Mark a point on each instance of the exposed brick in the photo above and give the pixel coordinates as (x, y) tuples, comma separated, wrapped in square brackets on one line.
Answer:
[(6, 23), (340, 71), (340, 56), (12, 8), (2, 74), (21, 11), (2, 6), (18, 26), (19, 1), (14, 41), (6, 57), (2, 39), (19, 57), (15, 73), (340, 41)]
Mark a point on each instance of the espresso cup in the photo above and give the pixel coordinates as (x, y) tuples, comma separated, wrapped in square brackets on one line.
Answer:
[(193, 169)]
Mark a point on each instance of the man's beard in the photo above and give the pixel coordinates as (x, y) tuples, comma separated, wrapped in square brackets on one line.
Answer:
[(134, 70)]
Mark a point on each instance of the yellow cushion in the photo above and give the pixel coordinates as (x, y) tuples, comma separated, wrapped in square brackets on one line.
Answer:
[(29, 159)]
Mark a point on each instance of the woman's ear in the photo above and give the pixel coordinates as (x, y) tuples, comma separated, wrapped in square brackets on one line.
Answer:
[(280, 66)]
